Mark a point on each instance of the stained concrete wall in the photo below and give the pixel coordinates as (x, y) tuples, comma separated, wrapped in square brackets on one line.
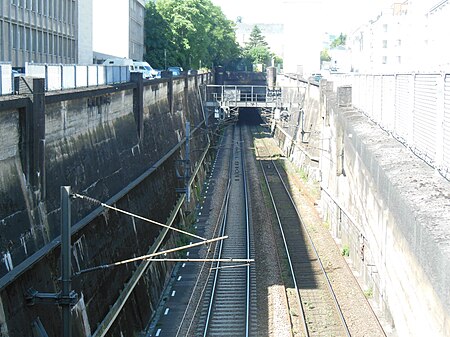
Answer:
[(118, 143), (392, 211), (385, 206), (298, 134)]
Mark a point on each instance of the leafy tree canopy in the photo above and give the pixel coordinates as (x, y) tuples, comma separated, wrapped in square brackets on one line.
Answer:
[(339, 41), (324, 56), (257, 50), (188, 33), (257, 39)]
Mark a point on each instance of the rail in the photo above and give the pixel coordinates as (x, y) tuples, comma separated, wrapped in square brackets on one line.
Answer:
[(231, 284), (304, 260)]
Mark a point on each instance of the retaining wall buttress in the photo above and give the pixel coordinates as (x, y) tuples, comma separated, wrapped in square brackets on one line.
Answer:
[(121, 145)]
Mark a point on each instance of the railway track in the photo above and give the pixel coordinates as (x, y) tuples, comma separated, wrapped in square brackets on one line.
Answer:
[(313, 306), (226, 308)]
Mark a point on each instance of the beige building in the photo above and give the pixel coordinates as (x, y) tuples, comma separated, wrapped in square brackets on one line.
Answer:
[(45, 31)]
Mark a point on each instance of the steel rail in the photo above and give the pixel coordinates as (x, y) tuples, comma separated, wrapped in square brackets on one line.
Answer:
[(247, 228), (238, 159), (286, 248), (222, 230), (324, 273), (330, 288)]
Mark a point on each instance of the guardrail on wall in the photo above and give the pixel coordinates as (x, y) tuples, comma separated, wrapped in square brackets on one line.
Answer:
[(414, 108), (64, 76)]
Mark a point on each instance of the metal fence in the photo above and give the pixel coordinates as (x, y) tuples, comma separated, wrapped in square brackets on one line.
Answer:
[(414, 108)]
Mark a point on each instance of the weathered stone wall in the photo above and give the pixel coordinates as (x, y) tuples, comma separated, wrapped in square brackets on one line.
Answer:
[(386, 208), (117, 143), (298, 135), (392, 212)]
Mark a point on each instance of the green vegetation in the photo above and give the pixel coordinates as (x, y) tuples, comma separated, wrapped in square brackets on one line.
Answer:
[(188, 33), (339, 41), (257, 50), (196, 34), (345, 251), (324, 56), (368, 293)]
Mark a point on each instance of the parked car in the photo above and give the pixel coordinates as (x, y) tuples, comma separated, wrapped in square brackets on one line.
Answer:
[(315, 77), (176, 71), (146, 70)]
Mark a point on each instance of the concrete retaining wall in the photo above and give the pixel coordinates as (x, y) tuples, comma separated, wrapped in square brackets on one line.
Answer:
[(118, 143), (387, 208), (298, 136), (392, 212)]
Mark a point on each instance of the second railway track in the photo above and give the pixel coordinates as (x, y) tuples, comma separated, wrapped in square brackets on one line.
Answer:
[(313, 305)]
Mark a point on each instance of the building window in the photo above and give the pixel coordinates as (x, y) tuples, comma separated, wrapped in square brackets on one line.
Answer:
[(34, 40), (45, 42), (15, 45), (384, 43), (39, 42), (19, 37), (27, 39), (384, 60), (50, 44), (385, 28), (399, 43), (399, 59)]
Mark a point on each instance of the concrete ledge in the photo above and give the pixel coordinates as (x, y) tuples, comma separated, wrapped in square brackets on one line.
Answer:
[(402, 209)]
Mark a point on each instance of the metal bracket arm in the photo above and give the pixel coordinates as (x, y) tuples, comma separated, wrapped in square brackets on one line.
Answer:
[(34, 297)]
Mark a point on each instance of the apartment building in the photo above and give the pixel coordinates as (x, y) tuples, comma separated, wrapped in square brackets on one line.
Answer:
[(45, 31), (407, 37), (382, 45)]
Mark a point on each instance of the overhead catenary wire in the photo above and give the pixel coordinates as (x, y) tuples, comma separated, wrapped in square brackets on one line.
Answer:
[(137, 216), (150, 256)]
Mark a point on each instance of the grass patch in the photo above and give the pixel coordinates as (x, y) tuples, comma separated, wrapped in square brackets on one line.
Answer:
[(345, 251), (368, 293)]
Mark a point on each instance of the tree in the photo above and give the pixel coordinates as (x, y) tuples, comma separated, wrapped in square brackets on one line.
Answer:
[(158, 39), (324, 56), (197, 32), (256, 39), (257, 49), (339, 41)]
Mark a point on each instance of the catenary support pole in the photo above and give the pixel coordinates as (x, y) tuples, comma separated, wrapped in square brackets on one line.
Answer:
[(65, 260)]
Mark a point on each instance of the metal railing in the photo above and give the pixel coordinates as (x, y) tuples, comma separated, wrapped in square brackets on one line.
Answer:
[(414, 108), (64, 76)]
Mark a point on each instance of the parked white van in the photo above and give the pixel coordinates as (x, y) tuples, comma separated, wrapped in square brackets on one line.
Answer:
[(120, 62), (146, 69)]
